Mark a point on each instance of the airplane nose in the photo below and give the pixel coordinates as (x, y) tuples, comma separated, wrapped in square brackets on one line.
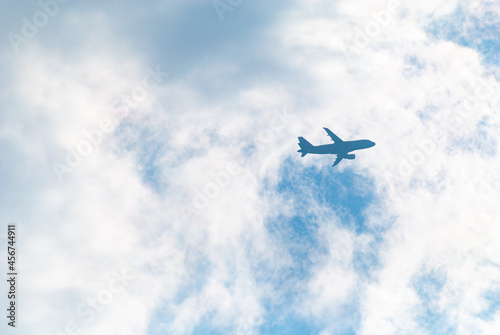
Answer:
[(372, 143)]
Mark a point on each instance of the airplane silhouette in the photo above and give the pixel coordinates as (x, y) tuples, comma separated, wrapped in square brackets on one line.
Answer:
[(339, 147)]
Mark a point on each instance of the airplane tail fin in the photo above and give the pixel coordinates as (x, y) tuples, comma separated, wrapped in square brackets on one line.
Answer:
[(305, 147)]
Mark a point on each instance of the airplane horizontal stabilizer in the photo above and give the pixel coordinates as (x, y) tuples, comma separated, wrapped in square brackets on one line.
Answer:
[(305, 146)]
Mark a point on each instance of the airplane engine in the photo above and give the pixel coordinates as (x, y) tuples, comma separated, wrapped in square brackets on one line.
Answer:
[(350, 156)]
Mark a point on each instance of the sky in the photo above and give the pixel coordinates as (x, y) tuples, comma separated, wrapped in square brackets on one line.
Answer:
[(149, 161)]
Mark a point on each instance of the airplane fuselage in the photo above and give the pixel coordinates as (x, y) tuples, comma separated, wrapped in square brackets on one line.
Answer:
[(340, 147)]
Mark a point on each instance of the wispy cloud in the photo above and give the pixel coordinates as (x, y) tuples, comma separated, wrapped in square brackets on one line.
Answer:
[(197, 189)]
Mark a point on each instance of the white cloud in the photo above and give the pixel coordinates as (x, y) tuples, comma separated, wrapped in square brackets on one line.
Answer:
[(222, 264)]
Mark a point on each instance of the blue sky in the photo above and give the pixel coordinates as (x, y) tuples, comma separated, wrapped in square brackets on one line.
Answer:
[(149, 158)]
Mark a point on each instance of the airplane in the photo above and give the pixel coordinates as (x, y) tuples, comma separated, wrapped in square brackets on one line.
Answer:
[(339, 147)]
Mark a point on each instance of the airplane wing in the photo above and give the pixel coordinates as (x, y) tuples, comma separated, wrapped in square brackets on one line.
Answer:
[(339, 158), (334, 137)]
